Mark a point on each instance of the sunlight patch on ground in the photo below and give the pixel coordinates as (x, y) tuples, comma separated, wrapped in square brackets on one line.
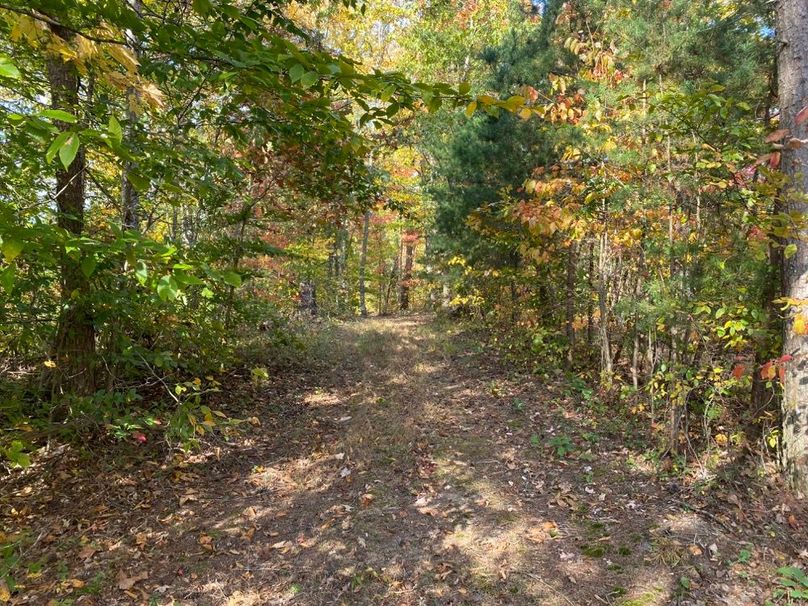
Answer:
[(651, 587), (320, 398)]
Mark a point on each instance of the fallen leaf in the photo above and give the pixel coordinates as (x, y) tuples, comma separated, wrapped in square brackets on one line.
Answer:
[(125, 583), (777, 135), (5, 594), (801, 116), (188, 496), (206, 541), (87, 552), (367, 499)]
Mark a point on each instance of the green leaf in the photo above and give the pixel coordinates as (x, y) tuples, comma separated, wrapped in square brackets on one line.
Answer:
[(88, 265), (54, 148), (464, 88), (790, 251), (140, 182), (308, 79), (68, 151), (141, 272), (58, 114), (7, 277), (8, 69), (14, 453), (202, 7), (11, 248), (232, 278), (296, 72), (187, 279), (167, 288), (114, 129)]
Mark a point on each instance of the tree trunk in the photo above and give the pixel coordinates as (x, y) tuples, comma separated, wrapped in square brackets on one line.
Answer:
[(792, 62), (605, 345), (406, 274), (74, 347), (590, 324), (308, 297), (130, 198), (570, 296), (363, 259)]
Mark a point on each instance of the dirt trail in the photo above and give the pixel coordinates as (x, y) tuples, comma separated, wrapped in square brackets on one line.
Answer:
[(402, 467)]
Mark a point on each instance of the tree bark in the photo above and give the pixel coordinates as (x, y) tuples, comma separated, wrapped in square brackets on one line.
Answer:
[(130, 198), (406, 274), (74, 346), (792, 63), (363, 259), (570, 298), (603, 307)]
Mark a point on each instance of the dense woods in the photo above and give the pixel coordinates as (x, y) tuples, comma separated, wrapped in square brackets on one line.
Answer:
[(611, 191)]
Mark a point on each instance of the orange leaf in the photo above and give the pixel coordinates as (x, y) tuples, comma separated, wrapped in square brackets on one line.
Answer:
[(738, 371), (774, 160), (767, 371)]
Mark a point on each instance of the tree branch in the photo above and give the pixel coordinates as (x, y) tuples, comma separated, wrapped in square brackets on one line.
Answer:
[(51, 21)]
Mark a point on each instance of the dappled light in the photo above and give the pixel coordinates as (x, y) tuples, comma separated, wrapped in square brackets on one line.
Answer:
[(392, 490), (403, 302)]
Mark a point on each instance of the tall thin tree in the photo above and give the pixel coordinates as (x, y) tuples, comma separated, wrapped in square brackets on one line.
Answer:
[(792, 64)]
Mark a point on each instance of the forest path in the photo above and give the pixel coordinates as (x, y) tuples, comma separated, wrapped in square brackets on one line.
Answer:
[(405, 465)]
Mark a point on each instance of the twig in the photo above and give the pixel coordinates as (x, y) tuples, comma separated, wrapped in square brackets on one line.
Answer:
[(706, 514), (551, 588)]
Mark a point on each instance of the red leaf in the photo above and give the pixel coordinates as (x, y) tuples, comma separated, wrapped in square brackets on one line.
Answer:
[(767, 372), (777, 135), (774, 160), (801, 116), (139, 437), (738, 371)]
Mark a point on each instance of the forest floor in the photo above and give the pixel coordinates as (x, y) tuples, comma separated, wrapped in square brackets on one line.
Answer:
[(399, 464)]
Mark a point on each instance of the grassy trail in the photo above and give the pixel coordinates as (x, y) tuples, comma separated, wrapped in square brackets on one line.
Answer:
[(403, 464)]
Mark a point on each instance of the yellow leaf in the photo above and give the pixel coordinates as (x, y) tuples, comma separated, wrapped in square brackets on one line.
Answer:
[(27, 28), (800, 325), (5, 594), (123, 56), (152, 95), (85, 48), (471, 108)]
